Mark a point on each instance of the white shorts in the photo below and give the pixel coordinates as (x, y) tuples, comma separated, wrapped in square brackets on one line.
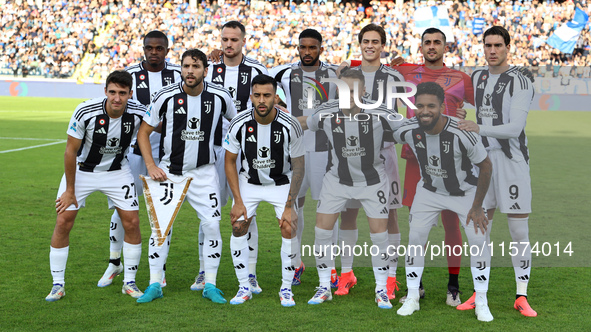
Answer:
[(253, 195), (334, 196), (510, 185), (427, 206), (203, 193), (117, 185), (315, 169), (137, 166), (391, 166), (220, 155)]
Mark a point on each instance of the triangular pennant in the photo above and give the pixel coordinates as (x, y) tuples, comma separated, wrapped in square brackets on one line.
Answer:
[(163, 202)]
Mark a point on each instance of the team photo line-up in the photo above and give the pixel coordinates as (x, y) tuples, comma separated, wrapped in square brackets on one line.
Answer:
[(214, 128)]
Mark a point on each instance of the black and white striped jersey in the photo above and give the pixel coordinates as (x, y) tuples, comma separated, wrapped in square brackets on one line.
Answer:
[(146, 83), (355, 142), (304, 91), (265, 150), (188, 124), (500, 100), (237, 80), (446, 160), (376, 83), (105, 141)]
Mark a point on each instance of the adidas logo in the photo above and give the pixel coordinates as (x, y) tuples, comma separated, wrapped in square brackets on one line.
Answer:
[(296, 79), (384, 211), (481, 278), (412, 275), (480, 86), (142, 85), (338, 130), (154, 256), (385, 268), (420, 145), (218, 79), (237, 253), (181, 110), (215, 255), (523, 277), (322, 266), (113, 239), (251, 248), (134, 203), (216, 214), (251, 139), (292, 256), (395, 201), (239, 266), (132, 268), (101, 130), (515, 207), (290, 268)]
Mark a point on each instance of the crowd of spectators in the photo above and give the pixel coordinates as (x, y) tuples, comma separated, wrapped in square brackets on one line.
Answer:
[(52, 39)]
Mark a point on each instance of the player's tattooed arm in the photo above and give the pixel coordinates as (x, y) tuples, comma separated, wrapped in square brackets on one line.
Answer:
[(297, 176), (476, 213)]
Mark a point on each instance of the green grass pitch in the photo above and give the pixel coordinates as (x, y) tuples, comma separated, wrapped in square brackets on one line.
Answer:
[(29, 178)]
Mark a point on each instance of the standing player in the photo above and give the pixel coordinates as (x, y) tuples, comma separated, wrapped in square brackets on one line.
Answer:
[(302, 84), (99, 136), (372, 39), (149, 76), (190, 112), (235, 72), (272, 168), (445, 155), (357, 172), (503, 99)]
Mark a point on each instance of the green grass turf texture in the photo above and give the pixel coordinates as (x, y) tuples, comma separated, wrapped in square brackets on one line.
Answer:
[(559, 289)]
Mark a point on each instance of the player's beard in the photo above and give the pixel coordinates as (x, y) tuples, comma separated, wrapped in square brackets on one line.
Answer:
[(198, 81), (264, 113), (428, 127), (310, 63)]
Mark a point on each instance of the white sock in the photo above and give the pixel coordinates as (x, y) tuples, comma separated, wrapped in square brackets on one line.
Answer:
[(481, 298), (212, 250), (253, 246), (393, 242), (479, 265), (165, 251), (381, 260), (347, 240), (240, 256), (415, 262), (58, 257), (519, 229), (200, 239), (290, 256), (116, 236), (156, 259), (322, 251), (131, 259)]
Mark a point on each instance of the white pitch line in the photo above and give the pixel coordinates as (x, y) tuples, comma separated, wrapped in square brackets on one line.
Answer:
[(32, 139), (34, 146)]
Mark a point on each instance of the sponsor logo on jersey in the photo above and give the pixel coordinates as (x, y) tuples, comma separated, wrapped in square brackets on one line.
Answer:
[(487, 112), (353, 152), (112, 147), (73, 127), (352, 140), (434, 160), (263, 152), (188, 135), (193, 123)]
